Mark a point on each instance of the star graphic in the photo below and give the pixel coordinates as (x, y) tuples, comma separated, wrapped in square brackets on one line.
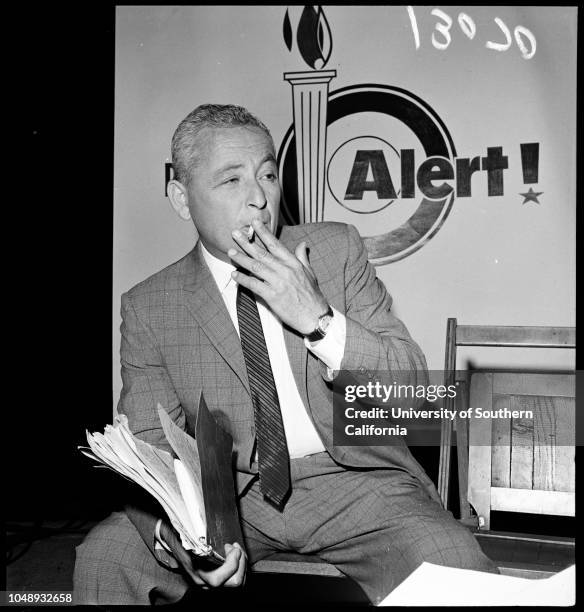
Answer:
[(531, 196)]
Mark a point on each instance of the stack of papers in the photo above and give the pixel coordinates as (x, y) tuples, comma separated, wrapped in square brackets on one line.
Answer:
[(436, 585), (174, 482)]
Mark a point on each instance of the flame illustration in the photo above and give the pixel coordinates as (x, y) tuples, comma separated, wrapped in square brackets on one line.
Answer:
[(287, 31), (313, 36)]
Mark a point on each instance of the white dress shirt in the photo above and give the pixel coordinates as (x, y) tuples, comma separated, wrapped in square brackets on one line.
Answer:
[(301, 436)]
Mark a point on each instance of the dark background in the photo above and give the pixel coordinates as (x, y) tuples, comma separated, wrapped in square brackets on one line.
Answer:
[(60, 383)]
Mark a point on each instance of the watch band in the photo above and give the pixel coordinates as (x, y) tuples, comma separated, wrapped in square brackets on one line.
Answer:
[(319, 333)]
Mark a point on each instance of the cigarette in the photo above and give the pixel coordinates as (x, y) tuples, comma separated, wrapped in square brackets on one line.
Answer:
[(250, 233)]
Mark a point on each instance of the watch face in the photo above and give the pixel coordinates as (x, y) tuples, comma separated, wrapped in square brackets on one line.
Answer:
[(324, 322)]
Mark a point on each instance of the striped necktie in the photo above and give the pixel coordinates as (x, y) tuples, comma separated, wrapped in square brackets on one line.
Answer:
[(273, 459)]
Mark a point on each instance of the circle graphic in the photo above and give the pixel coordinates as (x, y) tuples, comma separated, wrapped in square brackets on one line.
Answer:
[(419, 120), (342, 152)]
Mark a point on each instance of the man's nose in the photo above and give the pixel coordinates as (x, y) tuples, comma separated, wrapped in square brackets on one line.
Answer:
[(256, 196)]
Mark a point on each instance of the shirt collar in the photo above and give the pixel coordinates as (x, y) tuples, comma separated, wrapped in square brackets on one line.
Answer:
[(220, 270)]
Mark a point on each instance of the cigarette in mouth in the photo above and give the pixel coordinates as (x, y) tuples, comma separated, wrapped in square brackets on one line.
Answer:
[(250, 233)]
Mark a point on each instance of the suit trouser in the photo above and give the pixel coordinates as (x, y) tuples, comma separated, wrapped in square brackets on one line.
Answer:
[(376, 526)]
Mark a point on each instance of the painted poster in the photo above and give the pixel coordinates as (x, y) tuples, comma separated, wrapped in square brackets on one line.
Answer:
[(446, 135)]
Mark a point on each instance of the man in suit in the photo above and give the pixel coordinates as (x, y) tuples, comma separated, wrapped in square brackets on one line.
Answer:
[(320, 310)]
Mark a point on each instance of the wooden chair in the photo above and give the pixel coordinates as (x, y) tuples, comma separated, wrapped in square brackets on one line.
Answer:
[(525, 463), (482, 335), (522, 464)]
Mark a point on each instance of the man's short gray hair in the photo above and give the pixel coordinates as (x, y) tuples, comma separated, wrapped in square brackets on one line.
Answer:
[(184, 146)]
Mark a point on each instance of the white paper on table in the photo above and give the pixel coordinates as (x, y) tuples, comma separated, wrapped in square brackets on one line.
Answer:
[(436, 585)]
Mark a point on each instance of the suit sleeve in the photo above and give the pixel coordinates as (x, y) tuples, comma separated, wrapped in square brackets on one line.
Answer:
[(378, 346), (145, 384)]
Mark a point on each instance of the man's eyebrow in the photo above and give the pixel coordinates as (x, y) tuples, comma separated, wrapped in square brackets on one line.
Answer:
[(230, 167), (227, 168), (268, 158)]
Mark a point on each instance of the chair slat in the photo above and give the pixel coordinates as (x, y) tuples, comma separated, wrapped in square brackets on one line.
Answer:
[(479, 456), (558, 503), (528, 383), (522, 442), (501, 453), (565, 450), (509, 335)]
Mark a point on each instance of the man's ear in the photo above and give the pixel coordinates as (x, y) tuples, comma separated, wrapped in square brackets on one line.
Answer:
[(177, 194)]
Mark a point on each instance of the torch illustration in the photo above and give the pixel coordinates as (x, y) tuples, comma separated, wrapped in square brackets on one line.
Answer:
[(309, 101)]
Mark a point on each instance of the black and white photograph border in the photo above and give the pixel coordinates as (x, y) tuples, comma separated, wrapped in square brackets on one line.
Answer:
[(436, 136)]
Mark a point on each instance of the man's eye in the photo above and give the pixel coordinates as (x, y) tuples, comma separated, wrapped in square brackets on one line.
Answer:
[(271, 176), (233, 180)]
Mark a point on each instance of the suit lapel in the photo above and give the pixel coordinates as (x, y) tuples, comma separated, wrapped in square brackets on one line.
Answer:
[(204, 302)]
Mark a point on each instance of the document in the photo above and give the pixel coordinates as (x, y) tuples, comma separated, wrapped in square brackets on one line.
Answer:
[(436, 585), (196, 501)]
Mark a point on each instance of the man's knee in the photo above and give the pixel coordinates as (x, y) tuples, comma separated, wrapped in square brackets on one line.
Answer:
[(448, 542), (114, 566), (102, 559)]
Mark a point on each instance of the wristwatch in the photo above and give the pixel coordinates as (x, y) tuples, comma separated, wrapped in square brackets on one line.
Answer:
[(321, 328)]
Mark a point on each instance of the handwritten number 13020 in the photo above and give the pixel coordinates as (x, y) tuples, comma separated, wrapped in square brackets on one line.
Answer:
[(441, 38)]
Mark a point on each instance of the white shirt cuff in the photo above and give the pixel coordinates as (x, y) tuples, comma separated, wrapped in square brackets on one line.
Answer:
[(331, 348)]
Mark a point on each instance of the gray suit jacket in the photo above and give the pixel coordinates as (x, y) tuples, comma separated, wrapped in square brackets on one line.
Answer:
[(178, 340)]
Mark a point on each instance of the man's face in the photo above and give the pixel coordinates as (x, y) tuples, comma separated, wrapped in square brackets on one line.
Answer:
[(234, 181)]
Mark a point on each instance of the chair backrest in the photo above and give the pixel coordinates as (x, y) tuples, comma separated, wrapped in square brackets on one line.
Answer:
[(521, 443), (494, 336)]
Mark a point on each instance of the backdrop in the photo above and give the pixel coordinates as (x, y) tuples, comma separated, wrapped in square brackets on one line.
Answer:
[(445, 135)]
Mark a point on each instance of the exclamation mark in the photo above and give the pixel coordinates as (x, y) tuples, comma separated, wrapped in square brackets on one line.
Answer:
[(530, 162)]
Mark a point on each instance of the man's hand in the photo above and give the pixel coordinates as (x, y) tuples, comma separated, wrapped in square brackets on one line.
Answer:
[(284, 280), (230, 574)]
